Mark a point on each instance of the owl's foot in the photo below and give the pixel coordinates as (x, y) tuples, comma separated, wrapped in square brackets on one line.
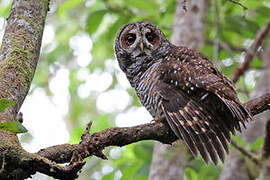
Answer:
[(158, 120)]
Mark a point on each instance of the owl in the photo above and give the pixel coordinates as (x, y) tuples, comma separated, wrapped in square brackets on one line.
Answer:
[(181, 85)]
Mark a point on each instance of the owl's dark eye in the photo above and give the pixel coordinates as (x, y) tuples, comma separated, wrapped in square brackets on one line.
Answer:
[(131, 38), (150, 36)]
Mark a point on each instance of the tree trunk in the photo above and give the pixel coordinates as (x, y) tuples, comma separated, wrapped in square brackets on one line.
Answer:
[(18, 60), (254, 129), (169, 161)]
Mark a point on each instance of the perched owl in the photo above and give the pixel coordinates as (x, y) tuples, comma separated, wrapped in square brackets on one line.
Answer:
[(199, 104)]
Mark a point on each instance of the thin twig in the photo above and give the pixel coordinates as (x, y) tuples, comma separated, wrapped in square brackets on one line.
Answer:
[(251, 51), (246, 153), (240, 4)]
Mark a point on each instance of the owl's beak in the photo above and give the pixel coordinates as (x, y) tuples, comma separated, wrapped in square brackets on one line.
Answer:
[(141, 46)]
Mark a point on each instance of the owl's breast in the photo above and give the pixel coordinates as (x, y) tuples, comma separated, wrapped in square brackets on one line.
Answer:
[(147, 90)]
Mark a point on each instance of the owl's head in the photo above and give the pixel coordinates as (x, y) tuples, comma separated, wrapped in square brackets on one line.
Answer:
[(139, 43)]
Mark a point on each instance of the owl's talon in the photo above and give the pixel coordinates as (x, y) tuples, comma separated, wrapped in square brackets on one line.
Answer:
[(158, 120)]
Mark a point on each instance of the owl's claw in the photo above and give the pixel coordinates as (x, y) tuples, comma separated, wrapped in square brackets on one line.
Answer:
[(158, 120)]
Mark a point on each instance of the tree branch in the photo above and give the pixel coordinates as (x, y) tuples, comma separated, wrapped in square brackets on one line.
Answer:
[(20, 52), (251, 51), (258, 105), (18, 60), (246, 153), (112, 137), (94, 144), (238, 3)]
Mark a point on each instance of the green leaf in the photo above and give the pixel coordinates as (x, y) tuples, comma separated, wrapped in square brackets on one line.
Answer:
[(241, 25), (100, 124), (109, 176), (143, 151), (76, 134), (239, 141), (203, 171), (68, 5), (131, 169), (94, 20), (4, 10), (256, 63), (4, 103), (147, 5), (112, 30), (191, 174), (13, 126), (257, 144), (263, 11)]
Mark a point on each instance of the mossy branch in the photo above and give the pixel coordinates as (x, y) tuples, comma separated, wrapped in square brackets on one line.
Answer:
[(93, 144), (18, 59)]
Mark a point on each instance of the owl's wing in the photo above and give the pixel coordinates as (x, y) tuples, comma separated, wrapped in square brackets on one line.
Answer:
[(195, 125), (198, 77), (200, 105)]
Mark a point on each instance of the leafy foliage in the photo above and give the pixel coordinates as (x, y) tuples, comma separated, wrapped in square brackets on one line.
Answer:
[(4, 103), (13, 126), (73, 21)]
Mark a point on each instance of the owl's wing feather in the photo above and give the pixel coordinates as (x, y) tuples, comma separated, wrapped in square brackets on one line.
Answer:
[(200, 102), (196, 128), (197, 76)]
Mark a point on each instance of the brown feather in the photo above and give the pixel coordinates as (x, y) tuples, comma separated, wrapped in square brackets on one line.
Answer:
[(199, 103)]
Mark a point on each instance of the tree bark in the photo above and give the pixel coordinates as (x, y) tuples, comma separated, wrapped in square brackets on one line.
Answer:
[(93, 144), (20, 52), (254, 129), (168, 162), (18, 60)]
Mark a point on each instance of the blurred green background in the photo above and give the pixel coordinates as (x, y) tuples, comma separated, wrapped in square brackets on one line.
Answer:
[(78, 78)]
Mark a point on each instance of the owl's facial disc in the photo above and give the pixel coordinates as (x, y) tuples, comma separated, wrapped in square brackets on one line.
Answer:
[(130, 39), (150, 40), (139, 41)]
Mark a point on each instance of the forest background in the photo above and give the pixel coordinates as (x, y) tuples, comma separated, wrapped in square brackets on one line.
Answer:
[(78, 79)]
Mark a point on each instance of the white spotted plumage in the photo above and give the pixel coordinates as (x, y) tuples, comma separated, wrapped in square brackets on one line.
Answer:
[(181, 84)]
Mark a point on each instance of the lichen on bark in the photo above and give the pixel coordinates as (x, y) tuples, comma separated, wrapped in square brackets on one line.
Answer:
[(20, 51), (18, 59)]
